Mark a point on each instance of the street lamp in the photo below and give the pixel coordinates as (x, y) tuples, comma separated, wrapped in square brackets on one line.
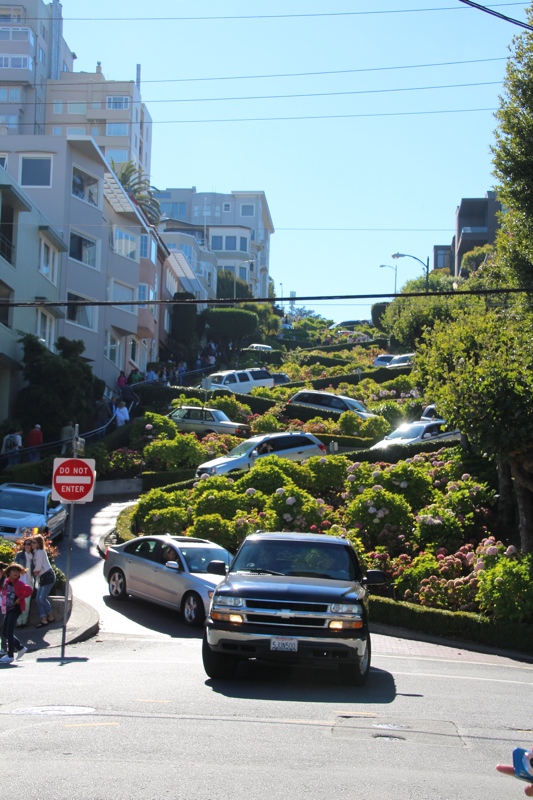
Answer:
[(395, 268), (425, 264)]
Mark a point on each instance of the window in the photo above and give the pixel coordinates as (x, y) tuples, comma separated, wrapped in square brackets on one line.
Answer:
[(142, 294), (171, 283), (3, 161), (231, 243), (83, 315), (125, 244), (36, 171), (247, 210), (48, 261), (10, 94), (112, 348), (123, 294), (168, 321), (11, 14), (11, 120), (95, 131), (153, 251), (75, 131), (119, 156), (117, 102), (242, 273), (17, 34), (83, 249), (244, 244), (85, 186), (144, 245), (16, 62), (76, 107), (117, 129), (6, 296), (226, 207), (58, 131), (46, 328), (134, 349), (216, 243), (58, 107), (186, 249), (96, 104), (41, 54)]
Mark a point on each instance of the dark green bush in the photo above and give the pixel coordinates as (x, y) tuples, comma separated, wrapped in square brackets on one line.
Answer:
[(155, 480)]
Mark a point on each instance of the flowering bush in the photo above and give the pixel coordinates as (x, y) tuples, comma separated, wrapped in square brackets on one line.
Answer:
[(328, 473), (150, 428), (166, 520), (224, 503), (229, 404), (265, 423), (218, 444), (375, 508), (157, 499), (182, 452), (506, 589), (213, 527), (124, 463), (471, 503), (295, 509), (412, 482)]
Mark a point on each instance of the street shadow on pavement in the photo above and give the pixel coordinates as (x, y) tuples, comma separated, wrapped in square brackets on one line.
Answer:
[(298, 684), (157, 619)]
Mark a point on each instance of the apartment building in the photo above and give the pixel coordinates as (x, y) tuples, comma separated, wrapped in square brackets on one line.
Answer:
[(235, 227), (112, 112), (108, 242), (476, 224), (29, 272), (32, 51), (196, 264)]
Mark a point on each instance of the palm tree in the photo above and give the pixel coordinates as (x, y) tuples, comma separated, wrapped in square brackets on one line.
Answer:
[(138, 186)]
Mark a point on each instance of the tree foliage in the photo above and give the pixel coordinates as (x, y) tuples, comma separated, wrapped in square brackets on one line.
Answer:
[(229, 326), (229, 286), (136, 184), (61, 386)]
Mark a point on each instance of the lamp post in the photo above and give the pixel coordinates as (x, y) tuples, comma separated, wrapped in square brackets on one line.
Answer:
[(425, 264), (395, 268)]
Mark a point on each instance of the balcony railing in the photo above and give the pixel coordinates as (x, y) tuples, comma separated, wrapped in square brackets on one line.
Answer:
[(7, 249), (474, 230)]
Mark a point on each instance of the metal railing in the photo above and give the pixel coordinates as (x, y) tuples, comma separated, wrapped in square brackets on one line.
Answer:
[(7, 248)]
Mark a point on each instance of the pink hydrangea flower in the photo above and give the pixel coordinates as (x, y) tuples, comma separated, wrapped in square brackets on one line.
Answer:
[(280, 491), (251, 490), (290, 501)]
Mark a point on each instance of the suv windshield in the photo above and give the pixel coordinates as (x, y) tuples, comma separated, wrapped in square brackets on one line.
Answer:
[(298, 559), (216, 379)]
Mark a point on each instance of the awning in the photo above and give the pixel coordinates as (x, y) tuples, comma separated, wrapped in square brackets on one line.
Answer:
[(19, 200), (54, 237), (6, 362)]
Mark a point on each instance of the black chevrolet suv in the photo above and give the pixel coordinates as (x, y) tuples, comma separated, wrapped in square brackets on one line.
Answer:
[(291, 598)]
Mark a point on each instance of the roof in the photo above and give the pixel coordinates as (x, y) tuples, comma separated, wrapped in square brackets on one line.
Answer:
[(299, 537), (185, 273)]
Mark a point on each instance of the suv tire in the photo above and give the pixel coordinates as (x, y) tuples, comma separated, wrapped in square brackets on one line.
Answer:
[(356, 674), (217, 665)]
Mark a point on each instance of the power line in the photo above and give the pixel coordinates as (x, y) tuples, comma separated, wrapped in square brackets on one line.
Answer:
[(497, 14), (303, 95), (291, 74), (268, 16)]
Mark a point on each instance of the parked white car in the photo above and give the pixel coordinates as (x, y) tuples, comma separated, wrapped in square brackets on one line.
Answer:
[(295, 446), (241, 381), (417, 432)]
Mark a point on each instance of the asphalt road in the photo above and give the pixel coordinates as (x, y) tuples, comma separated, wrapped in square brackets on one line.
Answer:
[(132, 716)]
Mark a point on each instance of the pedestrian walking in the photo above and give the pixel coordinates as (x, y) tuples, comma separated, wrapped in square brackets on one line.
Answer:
[(34, 440), (12, 601), (3, 645), (67, 435), (122, 414), (42, 569), (24, 557), (121, 382), (11, 446)]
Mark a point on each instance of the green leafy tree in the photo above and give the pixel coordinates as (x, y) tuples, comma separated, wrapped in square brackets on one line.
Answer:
[(377, 311), (229, 326), (476, 258), (60, 386), (229, 286)]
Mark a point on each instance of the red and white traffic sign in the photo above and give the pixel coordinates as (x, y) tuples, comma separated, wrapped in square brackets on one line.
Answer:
[(73, 480)]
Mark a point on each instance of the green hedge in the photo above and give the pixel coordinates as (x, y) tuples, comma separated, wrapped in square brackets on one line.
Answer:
[(156, 480), (379, 375), (395, 453), (325, 361), (452, 624), (344, 441)]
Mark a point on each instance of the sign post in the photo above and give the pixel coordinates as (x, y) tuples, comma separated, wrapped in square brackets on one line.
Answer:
[(72, 482)]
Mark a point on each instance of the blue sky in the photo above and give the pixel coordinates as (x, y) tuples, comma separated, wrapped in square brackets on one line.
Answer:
[(373, 174)]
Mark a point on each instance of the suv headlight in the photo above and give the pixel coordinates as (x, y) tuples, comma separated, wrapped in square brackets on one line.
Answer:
[(345, 608), (229, 601)]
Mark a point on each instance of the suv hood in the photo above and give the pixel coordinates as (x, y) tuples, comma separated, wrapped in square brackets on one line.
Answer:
[(17, 518), (273, 587)]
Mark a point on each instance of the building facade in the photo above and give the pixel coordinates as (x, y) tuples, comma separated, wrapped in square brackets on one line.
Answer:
[(235, 227)]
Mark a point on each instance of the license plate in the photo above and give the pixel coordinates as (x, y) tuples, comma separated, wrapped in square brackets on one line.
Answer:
[(283, 644)]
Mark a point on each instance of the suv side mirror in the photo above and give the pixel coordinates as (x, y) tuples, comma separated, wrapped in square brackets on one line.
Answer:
[(216, 568), (374, 577)]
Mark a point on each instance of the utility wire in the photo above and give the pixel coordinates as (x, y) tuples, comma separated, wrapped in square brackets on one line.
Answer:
[(273, 300), (497, 14), (292, 74), (303, 95)]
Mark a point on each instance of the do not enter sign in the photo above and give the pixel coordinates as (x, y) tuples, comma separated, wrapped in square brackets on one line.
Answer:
[(73, 480)]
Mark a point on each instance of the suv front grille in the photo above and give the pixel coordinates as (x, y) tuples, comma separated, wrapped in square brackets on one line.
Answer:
[(289, 613)]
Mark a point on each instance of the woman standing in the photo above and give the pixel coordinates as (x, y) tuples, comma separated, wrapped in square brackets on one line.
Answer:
[(24, 557), (42, 570), (13, 600)]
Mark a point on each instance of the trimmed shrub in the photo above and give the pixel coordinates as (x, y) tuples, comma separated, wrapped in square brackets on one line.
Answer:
[(505, 591), (225, 503), (166, 520), (182, 452), (377, 510), (214, 528)]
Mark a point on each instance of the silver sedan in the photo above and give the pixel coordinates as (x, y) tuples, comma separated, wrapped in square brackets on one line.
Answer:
[(192, 419), (168, 570)]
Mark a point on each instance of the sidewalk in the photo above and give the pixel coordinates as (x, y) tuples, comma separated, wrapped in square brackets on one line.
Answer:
[(82, 624)]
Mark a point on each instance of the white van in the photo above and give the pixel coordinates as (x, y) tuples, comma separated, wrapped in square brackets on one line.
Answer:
[(240, 381)]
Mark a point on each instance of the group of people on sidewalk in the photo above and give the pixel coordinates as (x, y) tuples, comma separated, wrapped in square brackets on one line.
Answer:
[(30, 573), (12, 444)]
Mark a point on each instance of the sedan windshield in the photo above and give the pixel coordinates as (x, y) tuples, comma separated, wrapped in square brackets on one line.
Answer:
[(15, 501), (299, 559), (407, 432), (197, 558)]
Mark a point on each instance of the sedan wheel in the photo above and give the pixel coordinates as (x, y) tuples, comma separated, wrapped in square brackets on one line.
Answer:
[(193, 610), (117, 585)]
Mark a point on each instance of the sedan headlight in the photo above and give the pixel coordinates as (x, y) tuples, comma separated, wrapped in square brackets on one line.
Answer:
[(345, 608)]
